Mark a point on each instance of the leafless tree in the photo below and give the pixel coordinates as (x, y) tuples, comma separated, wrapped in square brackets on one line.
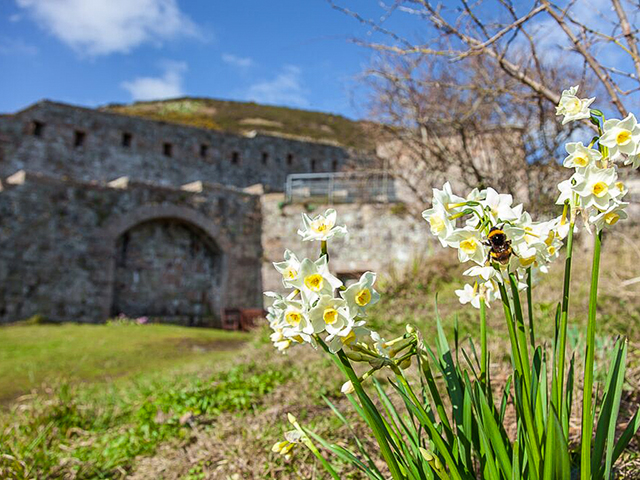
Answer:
[(487, 76)]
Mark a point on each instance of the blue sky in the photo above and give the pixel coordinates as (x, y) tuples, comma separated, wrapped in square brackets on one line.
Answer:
[(92, 52)]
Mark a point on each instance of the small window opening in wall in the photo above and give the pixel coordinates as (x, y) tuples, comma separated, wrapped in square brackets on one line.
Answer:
[(79, 138), (334, 165), (167, 149), (313, 165), (126, 139), (289, 159), (235, 158), (37, 128), (204, 150), (265, 158)]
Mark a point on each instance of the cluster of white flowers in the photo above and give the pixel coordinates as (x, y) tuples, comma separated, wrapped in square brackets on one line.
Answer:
[(312, 307), (467, 223), (594, 190)]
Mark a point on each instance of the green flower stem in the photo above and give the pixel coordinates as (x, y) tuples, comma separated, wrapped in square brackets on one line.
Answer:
[(530, 428), (311, 446), (484, 368), (434, 434), (373, 417), (564, 315), (323, 249), (587, 415), (532, 333)]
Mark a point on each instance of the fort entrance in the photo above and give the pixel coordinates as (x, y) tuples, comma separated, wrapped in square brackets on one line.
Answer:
[(167, 268)]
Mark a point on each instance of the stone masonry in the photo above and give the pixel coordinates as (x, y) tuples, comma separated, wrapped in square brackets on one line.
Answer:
[(78, 251), (104, 214), (85, 144)]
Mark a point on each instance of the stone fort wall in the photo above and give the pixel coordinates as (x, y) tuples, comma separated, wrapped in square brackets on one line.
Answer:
[(80, 143), (78, 251)]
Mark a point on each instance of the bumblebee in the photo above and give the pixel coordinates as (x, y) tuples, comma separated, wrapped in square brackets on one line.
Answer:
[(500, 246)]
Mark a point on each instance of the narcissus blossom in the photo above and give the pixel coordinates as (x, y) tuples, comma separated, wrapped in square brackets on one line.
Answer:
[(315, 279), (289, 268), (621, 136), (580, 157), (572, 107), (321, 227), (361, 295), (597, 186)]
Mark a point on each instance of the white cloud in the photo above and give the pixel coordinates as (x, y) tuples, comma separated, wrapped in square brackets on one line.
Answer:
[(285, 89), (169, 85), (100, 27), (234, 60)]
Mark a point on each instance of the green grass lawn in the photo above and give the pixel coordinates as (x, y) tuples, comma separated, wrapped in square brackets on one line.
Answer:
[(35, 355)]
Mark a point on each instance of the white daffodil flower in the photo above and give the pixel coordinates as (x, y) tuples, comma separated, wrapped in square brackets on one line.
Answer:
[(379, 344), (361, 295), (353, 333), (609, 217), (290, 268), (329, 314), (473, 294), (279, 340), (438, 220), (347, 388), (572, 107), (597, 187), (469, 244), (447, 199), (321, 227), (315, 279), (580, 157), (485, 273), (296, 320), (633, 160), (566, 189), (284, 448), (621, 136), (499, 205)]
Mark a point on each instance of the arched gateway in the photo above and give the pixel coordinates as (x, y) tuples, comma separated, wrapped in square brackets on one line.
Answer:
[(169, 263)]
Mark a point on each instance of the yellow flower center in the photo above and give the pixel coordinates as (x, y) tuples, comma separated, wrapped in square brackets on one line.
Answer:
[(611, 218), (293, 318), (320, 225), (330, 315), (580, 161), (623, 137), (314, 282), (551, 249), (573, 106), (599, 189), (469, 245), (620, 186), (437, 224), (527, 262), (298, 339), (290, 273), (363, 297), (349, 339)]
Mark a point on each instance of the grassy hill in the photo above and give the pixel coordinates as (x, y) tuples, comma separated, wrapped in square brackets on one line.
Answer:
[(242, 117)]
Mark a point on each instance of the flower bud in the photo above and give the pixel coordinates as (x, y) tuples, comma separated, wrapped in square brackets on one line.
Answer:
[(291, 418), (406, 363), (410, 329), (347, 388)]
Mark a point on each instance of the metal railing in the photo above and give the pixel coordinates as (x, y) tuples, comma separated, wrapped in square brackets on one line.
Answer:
[(341, 187)]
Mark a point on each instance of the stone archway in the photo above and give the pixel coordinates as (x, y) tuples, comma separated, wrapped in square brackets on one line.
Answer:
[(167, 262), (167, 268)]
